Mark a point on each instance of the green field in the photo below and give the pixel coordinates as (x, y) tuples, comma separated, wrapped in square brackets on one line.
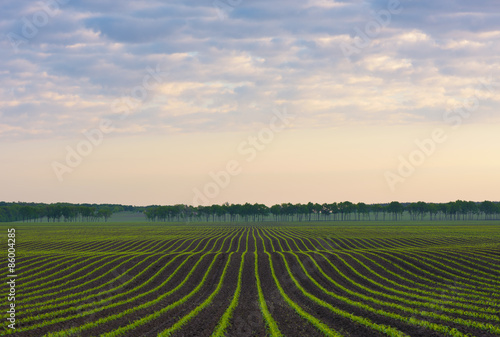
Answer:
[(256, 279)]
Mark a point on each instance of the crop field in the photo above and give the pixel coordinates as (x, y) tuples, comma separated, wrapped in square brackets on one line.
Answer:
[(255, 279)]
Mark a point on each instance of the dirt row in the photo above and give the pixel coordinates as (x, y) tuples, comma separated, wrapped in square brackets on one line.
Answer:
[(376, 318), (247, 319)]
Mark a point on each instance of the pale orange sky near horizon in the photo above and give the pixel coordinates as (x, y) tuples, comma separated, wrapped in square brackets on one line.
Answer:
[(322, 165), (185, 83)]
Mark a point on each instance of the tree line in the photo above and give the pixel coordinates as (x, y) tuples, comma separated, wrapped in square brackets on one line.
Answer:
[(341, 211), (66, 212)]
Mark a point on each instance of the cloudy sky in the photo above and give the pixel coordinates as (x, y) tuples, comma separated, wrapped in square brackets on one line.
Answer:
[(201, 102)]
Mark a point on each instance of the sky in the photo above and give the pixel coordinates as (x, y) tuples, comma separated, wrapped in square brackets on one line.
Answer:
[(206, 102)]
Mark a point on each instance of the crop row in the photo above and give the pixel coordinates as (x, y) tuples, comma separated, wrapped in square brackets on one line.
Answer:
[(331, 280)]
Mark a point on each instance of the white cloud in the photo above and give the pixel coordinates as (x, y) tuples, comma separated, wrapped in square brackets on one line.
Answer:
[(229, 73)]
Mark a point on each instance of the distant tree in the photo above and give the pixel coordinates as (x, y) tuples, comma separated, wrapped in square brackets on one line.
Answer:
[(69, 212), (422, 209), (54, 211), (488, 208), (317, 210), (453, 209), (325, 211), (234, 211), (276, 211), (433, 210), (219, 211), (310, 209), (363, 210), (334, 210), (302, 211), (104, 213), (150, 213), (345, 209), (396, 208), (246, 211), (376, 209), (262, 211), (473, 209)]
